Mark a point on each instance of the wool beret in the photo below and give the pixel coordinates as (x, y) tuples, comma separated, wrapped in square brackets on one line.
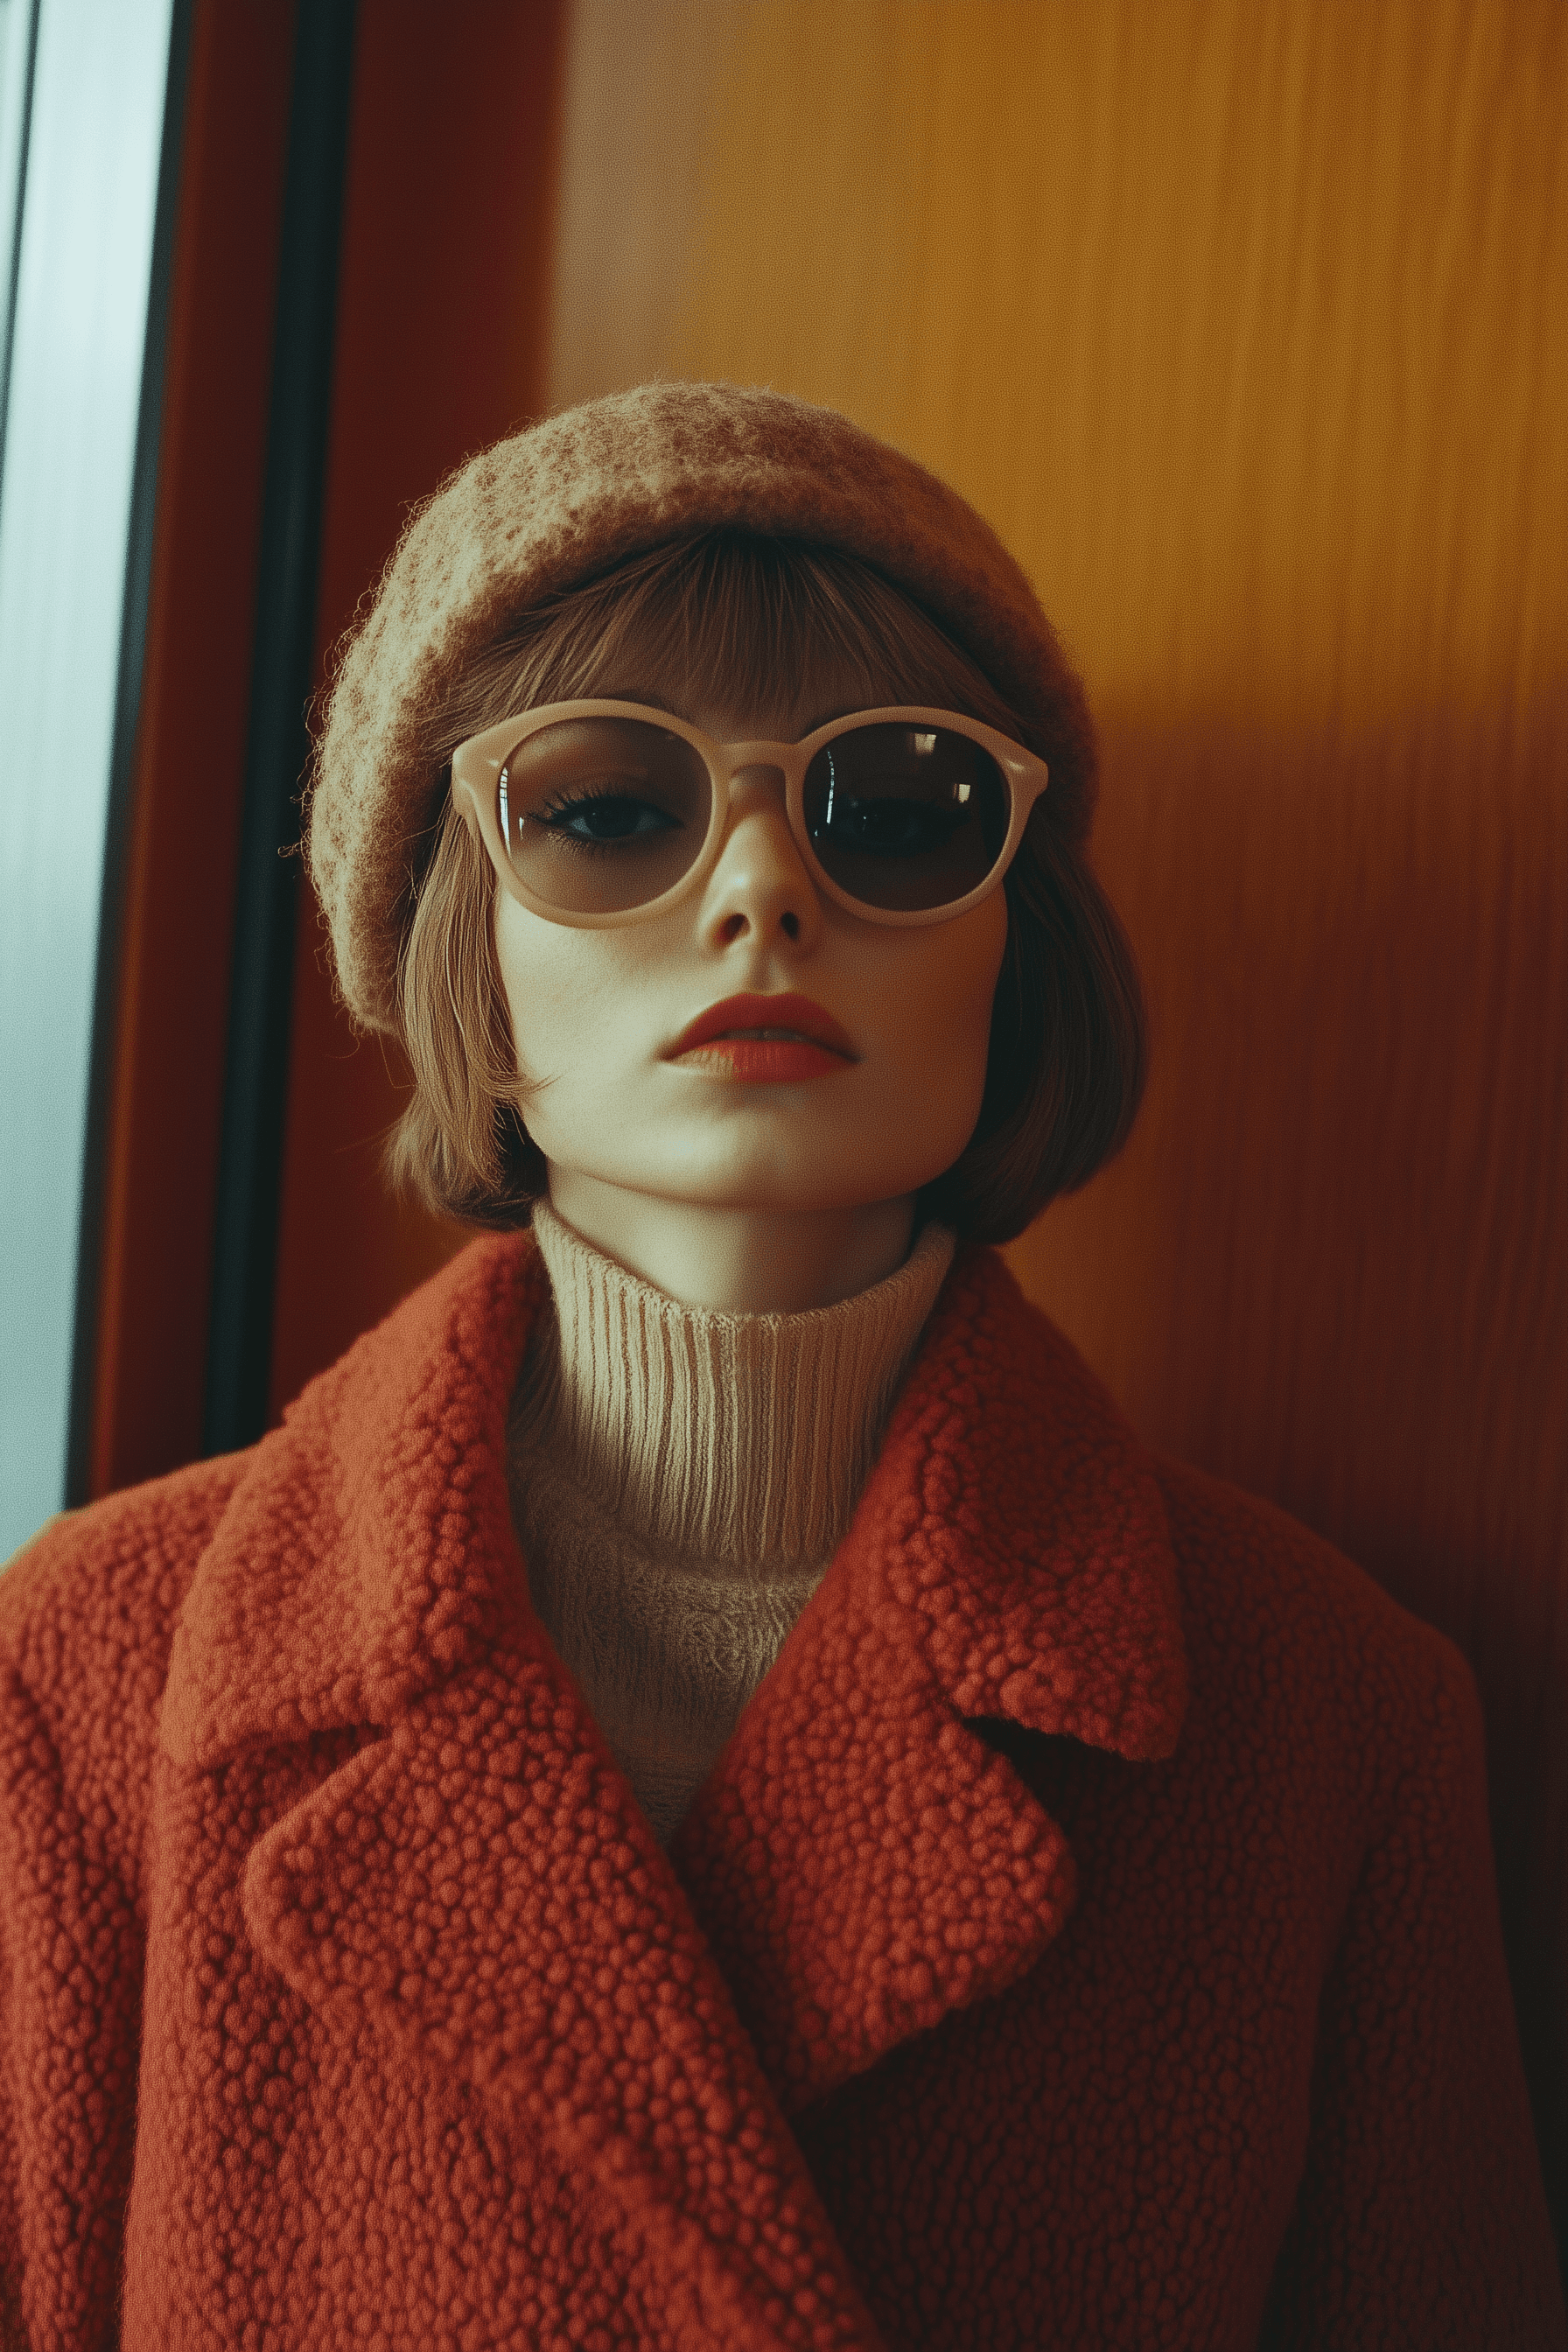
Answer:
[(564, 501)]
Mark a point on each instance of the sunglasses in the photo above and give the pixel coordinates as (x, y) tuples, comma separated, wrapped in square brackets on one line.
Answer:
[(602, 813)]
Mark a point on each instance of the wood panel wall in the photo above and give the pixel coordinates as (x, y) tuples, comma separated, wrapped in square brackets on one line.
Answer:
[(1244, 321)]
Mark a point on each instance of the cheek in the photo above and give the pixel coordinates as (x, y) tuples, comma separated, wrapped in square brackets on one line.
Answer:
[(526, 982), (559, 986), (938, 998)]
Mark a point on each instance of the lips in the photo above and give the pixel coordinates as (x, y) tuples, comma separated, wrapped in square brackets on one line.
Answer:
[(784, 1019), (763, 1041)]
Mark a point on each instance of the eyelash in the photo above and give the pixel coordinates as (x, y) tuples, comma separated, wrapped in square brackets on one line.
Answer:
[(583, 796), (578, 795)]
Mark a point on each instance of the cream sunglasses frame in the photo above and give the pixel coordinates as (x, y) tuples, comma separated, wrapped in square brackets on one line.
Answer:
[(479, 764)]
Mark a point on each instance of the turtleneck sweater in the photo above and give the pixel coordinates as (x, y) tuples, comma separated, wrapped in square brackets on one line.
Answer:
[(679, 1481)]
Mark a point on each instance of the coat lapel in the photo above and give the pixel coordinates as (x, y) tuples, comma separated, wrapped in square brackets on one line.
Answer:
[(479, 1887), (862, 1862)]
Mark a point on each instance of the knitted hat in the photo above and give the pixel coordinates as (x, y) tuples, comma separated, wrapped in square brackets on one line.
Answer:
[(565, 500)]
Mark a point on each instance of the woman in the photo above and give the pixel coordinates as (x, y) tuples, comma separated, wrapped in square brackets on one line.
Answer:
[(704, 1790)]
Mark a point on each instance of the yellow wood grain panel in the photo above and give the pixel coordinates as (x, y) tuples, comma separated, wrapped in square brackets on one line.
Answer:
[(1245, 322), (636, 98)]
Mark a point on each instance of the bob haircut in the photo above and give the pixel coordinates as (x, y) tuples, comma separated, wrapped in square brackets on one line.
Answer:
[(724, 617)]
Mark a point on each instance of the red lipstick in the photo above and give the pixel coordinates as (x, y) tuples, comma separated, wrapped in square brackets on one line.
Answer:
[(763, 1041)]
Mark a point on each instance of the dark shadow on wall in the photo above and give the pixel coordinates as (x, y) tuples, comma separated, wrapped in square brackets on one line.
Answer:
[(1332, 1265)]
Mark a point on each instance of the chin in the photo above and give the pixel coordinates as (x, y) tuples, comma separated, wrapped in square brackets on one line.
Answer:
[(756, 1173)]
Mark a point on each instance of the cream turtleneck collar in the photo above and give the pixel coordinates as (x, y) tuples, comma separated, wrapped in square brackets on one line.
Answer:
[(743, 1437), (679, 1481)]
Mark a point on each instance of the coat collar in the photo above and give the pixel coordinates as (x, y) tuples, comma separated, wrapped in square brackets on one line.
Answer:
[(857, 1864), (864, 1864)]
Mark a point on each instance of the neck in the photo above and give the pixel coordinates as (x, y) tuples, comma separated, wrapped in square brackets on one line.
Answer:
[(738, 1261)]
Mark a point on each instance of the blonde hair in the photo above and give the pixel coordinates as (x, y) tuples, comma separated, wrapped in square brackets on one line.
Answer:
[(758, 627)]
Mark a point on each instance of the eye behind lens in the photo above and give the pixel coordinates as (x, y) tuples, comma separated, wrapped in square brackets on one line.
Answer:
[(606, 817), (906, 818), (602, 814)]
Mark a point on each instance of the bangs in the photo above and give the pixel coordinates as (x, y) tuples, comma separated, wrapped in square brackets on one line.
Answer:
[(772, 632)]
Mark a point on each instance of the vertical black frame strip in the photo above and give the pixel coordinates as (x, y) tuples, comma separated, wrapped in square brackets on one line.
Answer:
[(239, 1340), (128, 686)]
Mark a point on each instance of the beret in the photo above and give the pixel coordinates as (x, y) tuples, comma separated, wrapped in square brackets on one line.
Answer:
[(563, 500)]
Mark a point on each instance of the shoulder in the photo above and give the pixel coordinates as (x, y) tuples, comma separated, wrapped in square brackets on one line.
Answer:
[(1295, 1654), (96, 1594), (88, 1608)]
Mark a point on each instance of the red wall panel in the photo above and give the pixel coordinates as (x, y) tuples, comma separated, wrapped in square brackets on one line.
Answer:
[(441, 347), (172, 1004)]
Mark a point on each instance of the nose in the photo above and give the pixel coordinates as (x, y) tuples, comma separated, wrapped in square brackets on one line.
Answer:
[(761, 889)]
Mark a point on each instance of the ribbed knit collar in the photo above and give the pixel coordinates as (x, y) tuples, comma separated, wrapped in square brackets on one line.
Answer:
[(742, 1437)]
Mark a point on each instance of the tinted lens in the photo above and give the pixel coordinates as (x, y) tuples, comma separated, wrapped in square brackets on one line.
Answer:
[(906, 817), (600, 814)]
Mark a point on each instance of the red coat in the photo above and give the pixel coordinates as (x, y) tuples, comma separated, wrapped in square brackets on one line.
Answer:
[(1087, 1938)]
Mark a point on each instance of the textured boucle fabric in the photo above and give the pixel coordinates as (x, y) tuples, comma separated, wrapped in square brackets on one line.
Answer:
[(680, 1479), (1087, 1938), (570, 497)]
